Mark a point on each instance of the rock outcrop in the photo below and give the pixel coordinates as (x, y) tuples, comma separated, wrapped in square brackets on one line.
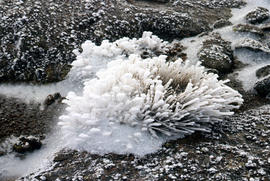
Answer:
[(37, 37), (258, 15), (247, 28), (254, 45)]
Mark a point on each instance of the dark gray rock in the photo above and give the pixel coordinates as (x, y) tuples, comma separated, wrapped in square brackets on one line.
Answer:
[(50, 99), (263, 72), (37, 37), (27, 144), (221, 23), (263, 87), (175, 51), (258, 15), (217, 54), (253, 45), (247, 28), (265, 27)]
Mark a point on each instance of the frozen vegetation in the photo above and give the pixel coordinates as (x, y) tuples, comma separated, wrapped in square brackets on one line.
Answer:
[(138, 107), (133, 97)]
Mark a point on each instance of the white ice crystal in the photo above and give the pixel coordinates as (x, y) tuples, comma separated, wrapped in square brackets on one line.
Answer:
[(134, 103), (95, 57)]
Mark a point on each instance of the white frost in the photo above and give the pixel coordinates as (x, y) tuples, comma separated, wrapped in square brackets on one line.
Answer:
[(131, 96)]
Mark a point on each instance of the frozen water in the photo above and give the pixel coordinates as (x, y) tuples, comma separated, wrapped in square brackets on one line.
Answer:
[(132, 96)]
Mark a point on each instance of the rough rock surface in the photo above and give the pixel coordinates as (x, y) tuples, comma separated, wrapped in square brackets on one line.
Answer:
[(263, 87), (37, 37), (216, 53), (253, 45), (239, 152), (248, 29), (221, 23), (263, 72), (259, 15)]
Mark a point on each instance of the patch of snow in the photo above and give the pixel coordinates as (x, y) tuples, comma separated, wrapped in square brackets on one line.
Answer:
[(248, 76), (12, 165)]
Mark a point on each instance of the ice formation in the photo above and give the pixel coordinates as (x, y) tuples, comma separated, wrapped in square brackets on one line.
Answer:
[(135, 101)]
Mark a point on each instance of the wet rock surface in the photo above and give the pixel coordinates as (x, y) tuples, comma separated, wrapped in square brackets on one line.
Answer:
[(239, 152), (19, 118), (38, 36), (216, 53), (258, 15)]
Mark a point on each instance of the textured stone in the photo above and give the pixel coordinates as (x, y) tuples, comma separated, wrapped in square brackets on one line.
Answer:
[(258, 15), (216, 53), (37, 37), (253, 45), (248, 29)]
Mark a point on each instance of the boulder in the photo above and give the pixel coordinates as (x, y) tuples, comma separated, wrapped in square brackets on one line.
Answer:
[(258, 15), (263, 72), (253, 45), (247, 28), (263, 87), (50, 99), (27, 144), (217, 54)]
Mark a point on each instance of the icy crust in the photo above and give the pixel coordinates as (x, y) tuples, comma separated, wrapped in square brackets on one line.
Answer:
[(134, 105)]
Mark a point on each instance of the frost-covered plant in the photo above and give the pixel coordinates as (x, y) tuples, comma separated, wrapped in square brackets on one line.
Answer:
[(132, 98), (95, 57), (173, 98)]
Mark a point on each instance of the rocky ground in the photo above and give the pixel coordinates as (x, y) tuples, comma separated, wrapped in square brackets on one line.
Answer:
[(37, 37), (20, 118), (36, 43), (236, 150)]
